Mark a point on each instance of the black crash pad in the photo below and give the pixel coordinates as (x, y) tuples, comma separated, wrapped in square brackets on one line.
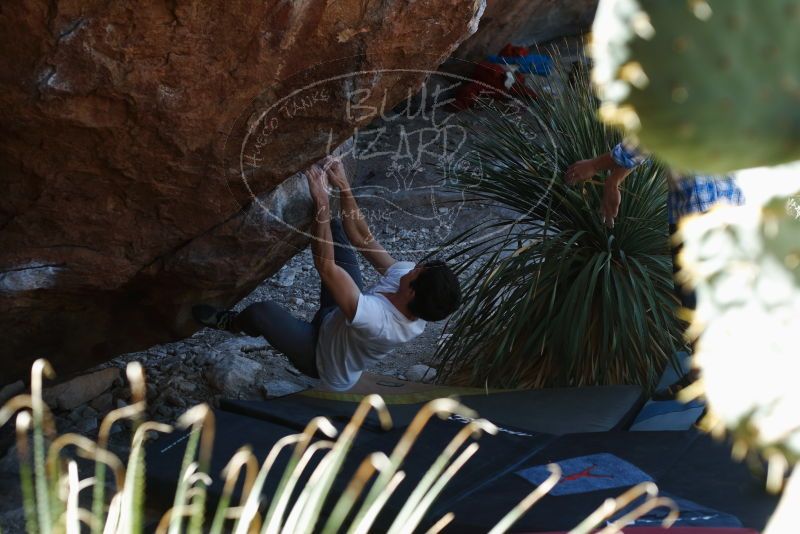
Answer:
[(551, 411)]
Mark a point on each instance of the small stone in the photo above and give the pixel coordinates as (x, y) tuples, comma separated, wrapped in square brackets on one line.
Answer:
[(185, 385), (169, 366), (103, 403), (121, 403), (88, 411), (294, 371), (232, 374), (281, 388), (299, 302), (285, 277), (86, 425), (241, 344), (207, 358), (80, 390), (63, 425), (175, 400), (420, 373), (157, 352)]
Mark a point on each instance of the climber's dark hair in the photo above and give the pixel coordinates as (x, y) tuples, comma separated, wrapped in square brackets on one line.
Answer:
[(437, 292)]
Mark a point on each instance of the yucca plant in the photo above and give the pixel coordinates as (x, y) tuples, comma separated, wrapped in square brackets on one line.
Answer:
[(51, 484), (553, 297)]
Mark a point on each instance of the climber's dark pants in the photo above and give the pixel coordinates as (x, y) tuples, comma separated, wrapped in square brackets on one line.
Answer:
[(296, 338)]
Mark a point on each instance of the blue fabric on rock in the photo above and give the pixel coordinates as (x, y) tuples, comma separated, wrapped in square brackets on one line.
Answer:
[(530, 64)]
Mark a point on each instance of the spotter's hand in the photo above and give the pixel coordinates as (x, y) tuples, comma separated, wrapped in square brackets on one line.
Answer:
[(580, 171)]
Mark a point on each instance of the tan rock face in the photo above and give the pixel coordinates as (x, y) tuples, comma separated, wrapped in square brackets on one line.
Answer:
[(524, 22), (135, 140)]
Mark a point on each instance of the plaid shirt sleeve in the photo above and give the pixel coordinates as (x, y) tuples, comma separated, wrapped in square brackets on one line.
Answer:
[(627, 155), (699, 193), (688, 195)]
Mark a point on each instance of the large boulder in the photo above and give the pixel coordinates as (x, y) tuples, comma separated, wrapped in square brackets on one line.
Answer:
[(145, 152), (523, 22)]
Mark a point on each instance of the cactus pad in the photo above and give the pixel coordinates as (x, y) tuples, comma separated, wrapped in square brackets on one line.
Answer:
[(707, 85), (745, 266)]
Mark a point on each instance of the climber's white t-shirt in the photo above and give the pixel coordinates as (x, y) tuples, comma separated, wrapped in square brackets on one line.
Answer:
[(345, 349)]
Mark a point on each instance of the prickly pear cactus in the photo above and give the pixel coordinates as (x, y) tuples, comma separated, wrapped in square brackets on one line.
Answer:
[(745, 265), (708, 85)]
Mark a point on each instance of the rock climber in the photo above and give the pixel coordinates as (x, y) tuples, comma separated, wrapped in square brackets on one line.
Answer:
[(353, 327)]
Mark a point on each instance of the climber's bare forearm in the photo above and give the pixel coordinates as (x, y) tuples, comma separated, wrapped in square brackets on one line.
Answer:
[(359, 234), (354, 222), (343, 289)]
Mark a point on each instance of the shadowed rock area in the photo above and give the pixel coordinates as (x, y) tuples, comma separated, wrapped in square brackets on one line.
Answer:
[(522, 22), (145, 152)]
